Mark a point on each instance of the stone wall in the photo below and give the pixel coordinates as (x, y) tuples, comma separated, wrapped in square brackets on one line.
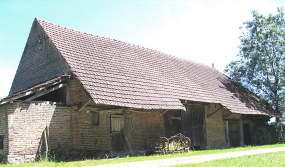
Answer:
[(26, 125)]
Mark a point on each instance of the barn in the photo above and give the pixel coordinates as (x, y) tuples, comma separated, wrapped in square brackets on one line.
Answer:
[(78, 92)]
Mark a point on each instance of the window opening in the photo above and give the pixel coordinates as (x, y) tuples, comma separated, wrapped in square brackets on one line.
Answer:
[(94, 118)]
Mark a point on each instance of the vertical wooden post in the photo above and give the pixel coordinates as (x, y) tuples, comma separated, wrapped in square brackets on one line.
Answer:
[(227, 132), (67, 98), (241, 132), (46, 142), (127, 131)]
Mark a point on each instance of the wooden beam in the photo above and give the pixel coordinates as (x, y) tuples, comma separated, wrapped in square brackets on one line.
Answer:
[(44, 92), (228, 115), (192, 104), (30, 91), (127, 110), (142, 110), (46, 141), (258, 116), (84, 104), (17, 97), (163, 112), (227, 133), (101, 108), (128, 145), (214, 112), (67, 98), (178, 118)]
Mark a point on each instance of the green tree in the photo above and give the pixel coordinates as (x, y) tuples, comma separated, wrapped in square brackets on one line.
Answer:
[(262, 60)]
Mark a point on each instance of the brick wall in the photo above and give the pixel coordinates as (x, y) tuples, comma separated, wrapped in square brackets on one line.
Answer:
[(98, 138), (77, 93), (87, 136), (4, 130), (215, 127), (26, 123), (216, 131), (145, 124)]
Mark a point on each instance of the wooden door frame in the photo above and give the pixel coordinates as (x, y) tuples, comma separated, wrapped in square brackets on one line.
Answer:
[(113, 133), (202, 146), (238, 122)]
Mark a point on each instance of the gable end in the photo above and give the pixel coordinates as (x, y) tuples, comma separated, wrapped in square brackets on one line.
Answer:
[(40, 61)]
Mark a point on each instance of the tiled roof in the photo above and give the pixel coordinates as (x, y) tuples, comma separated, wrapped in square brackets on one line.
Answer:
[(121, 74)]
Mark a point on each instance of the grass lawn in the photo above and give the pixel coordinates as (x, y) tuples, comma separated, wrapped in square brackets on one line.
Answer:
[(267, 159), (140, 158)]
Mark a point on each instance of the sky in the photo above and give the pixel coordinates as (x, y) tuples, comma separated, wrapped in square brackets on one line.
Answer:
[(204, 31)]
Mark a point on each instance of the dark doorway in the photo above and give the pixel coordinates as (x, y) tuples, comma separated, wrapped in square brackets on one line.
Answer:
[(234, 133), (246, 134), (193, 125), (172, 123), (117, 126)]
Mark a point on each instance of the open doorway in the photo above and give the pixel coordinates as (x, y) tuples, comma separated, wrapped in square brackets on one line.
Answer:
[(233, 130), (193, 125), (246, 134), (172, 123)]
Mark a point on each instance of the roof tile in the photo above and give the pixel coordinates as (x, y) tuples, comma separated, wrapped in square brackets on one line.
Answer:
[(121, 74)]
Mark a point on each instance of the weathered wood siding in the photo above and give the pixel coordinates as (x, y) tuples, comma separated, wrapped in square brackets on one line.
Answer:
[(194, 126)]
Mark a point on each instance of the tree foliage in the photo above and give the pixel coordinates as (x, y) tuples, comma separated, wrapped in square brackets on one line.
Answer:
[(262, 58)]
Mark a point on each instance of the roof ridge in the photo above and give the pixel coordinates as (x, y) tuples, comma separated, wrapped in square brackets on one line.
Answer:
[(138, 46)]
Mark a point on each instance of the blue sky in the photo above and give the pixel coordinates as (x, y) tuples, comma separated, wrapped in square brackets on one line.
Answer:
[(204, 31)]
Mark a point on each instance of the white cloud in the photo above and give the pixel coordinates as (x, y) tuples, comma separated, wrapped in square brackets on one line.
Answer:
[(204, 31)]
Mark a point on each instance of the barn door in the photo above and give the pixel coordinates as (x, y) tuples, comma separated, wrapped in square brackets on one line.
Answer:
[(117, 127), (233, 133), (246, 134), (193, 125)]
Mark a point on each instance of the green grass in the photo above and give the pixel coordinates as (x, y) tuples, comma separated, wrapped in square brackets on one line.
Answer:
[(45, 163), (267, 159)]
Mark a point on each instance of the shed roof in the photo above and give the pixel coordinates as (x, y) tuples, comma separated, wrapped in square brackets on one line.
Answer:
[(121, 74)]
